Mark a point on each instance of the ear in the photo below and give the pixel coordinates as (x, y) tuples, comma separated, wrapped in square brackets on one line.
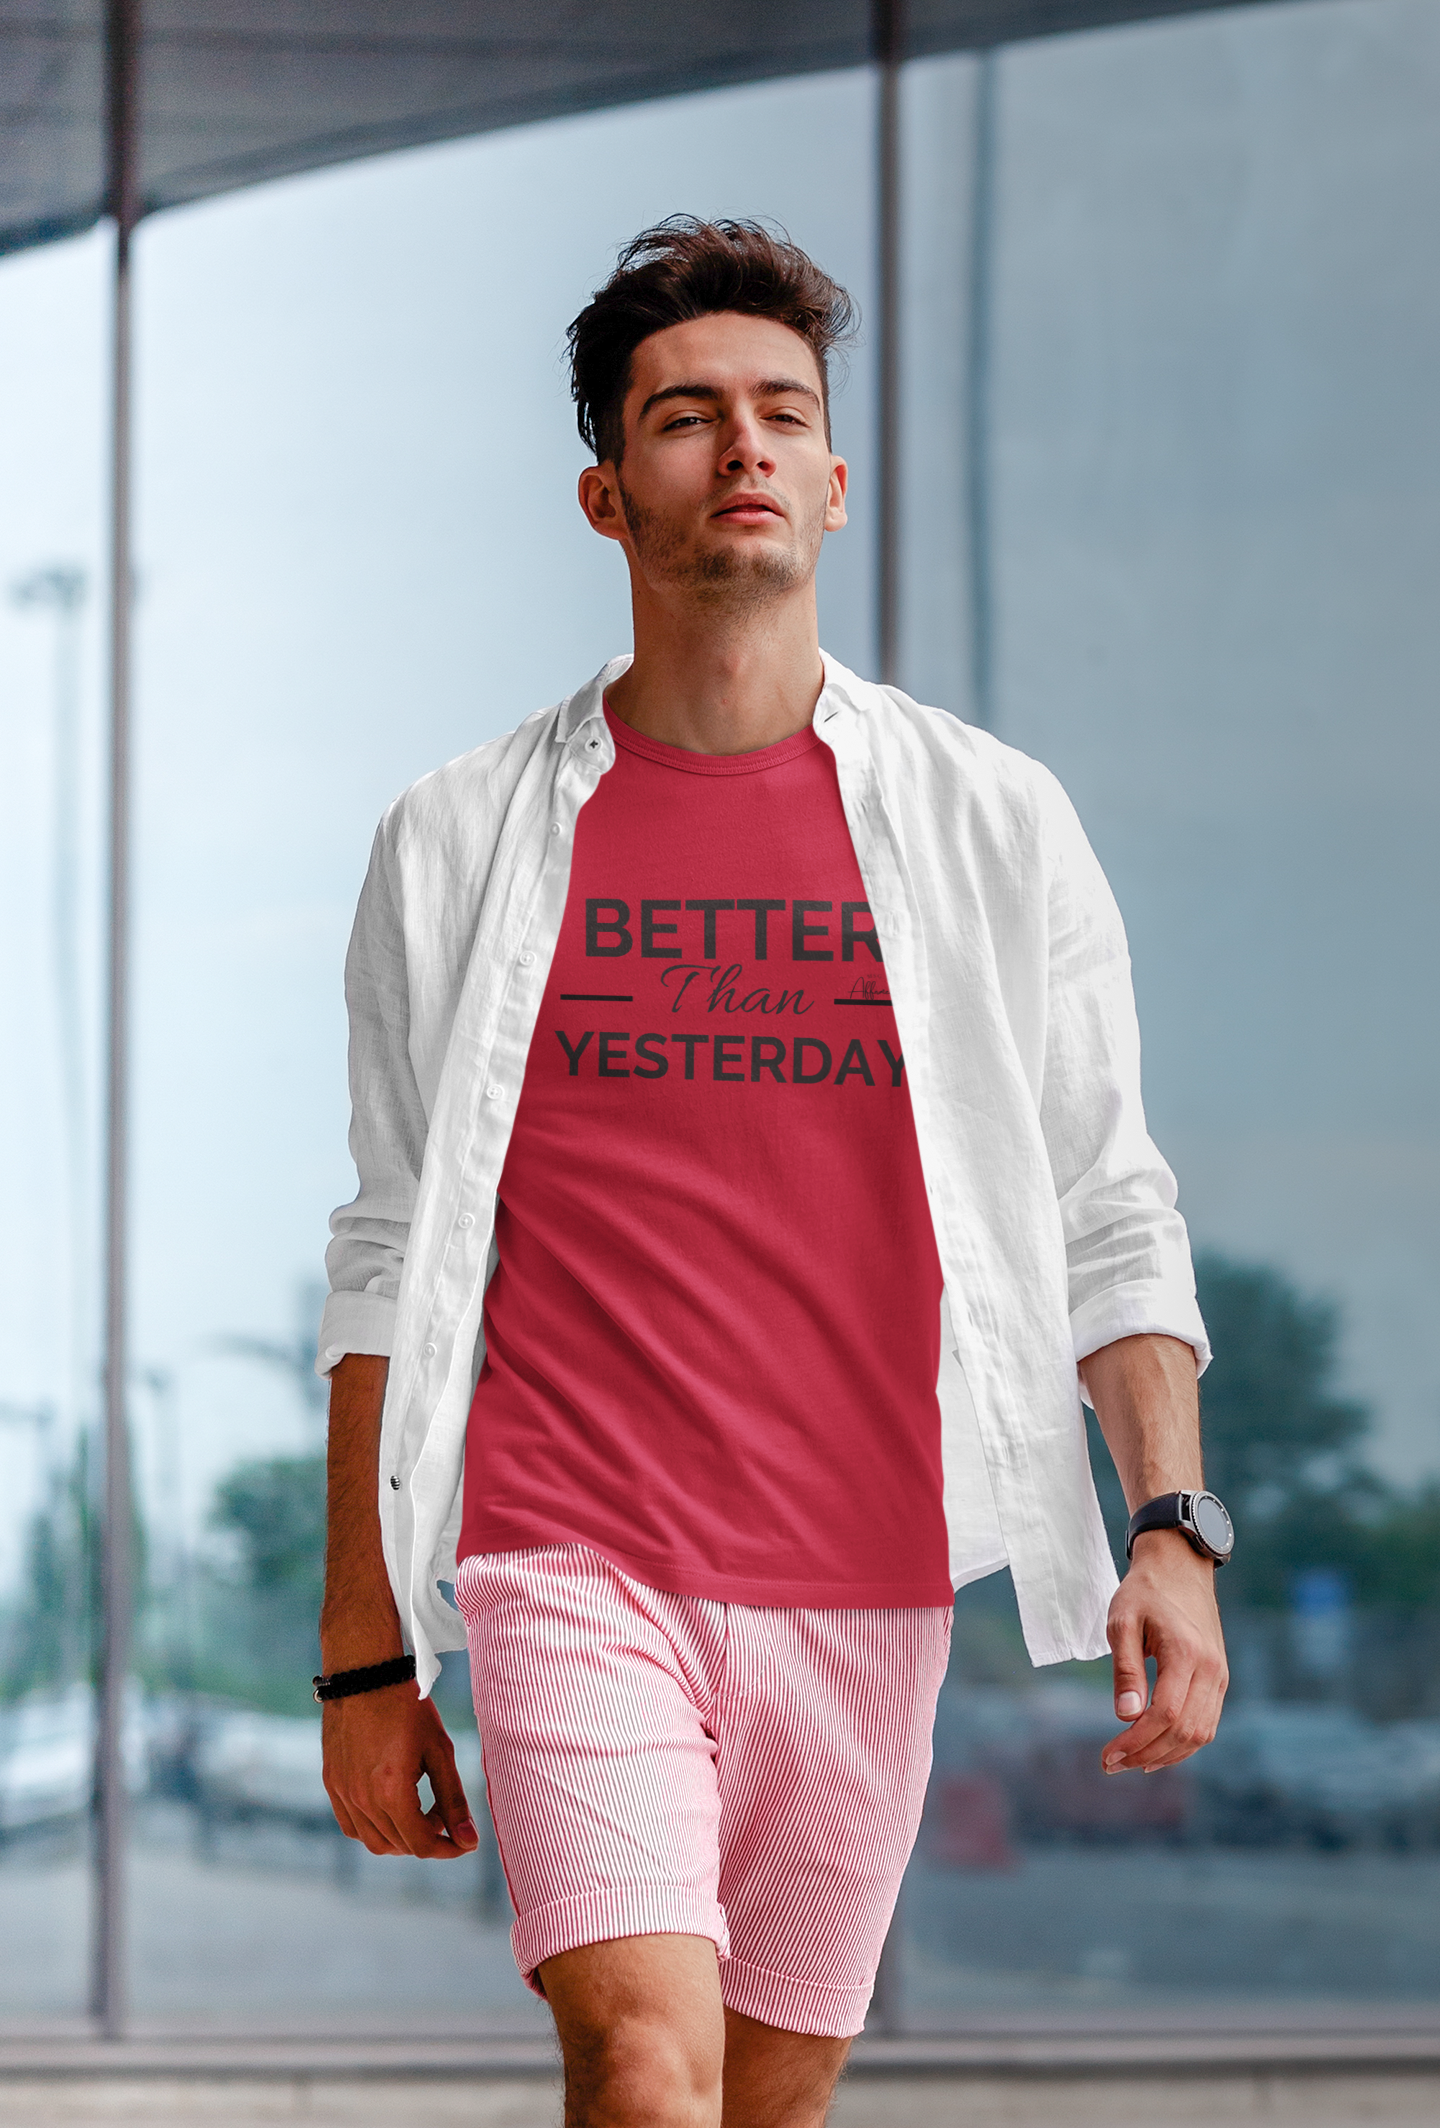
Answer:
[(599, 493), (835, 501)]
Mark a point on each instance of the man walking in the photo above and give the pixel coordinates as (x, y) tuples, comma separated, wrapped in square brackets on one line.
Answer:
[(752, 1168)]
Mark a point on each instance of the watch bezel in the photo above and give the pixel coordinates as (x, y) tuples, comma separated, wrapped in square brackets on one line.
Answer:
[(1176, 1511), (1191, 1502)]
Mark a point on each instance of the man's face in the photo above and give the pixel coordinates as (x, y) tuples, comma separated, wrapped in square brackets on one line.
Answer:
[(728, 484)]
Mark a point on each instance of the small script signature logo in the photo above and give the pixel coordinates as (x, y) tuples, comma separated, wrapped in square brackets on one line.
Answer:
[(867, 990)]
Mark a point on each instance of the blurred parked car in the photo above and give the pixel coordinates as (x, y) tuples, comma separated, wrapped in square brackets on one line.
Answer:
[(248, 1765), (1026, 1765), (1321, 1775), (244, 1765), (47, 1757)]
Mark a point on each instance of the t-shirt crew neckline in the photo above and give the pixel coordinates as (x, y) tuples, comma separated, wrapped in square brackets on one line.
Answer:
[(692, 764)]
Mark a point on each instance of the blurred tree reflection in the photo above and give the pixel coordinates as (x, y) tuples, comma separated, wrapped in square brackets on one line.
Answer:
[(1271, 1413), (1286, 1452), (260, 1636)]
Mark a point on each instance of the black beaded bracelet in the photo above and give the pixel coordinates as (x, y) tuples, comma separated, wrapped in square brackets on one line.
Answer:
[(373, 1679)]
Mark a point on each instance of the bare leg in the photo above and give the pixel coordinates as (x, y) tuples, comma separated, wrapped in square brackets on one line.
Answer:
[(642, 2032), (646, 2044), (777, 2079)]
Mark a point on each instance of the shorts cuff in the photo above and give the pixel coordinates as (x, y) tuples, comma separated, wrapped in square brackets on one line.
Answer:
[(792, 2005), (611, 1911)]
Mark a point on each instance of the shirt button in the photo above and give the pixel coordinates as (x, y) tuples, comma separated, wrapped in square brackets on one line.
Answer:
[(430, 1351), (466, 1219), (394, 1485), (527, 960), (554, 827), (493, 1093)]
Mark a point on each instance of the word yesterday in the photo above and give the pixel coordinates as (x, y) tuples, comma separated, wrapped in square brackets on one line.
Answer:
[(806, 1061)]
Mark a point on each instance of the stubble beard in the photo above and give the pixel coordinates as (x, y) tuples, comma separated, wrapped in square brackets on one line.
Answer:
[(731, 576)]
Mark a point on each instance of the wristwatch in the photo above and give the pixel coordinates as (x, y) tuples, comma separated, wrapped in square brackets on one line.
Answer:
[(1200, 1517)]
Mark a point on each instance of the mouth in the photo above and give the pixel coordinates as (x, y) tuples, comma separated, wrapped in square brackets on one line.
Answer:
[(748, 510)]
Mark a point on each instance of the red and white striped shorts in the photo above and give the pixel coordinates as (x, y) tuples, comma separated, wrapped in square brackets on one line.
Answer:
[(662, 1764)]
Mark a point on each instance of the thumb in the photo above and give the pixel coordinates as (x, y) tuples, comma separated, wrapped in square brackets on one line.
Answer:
[(450, 1804), (1132, 1687)]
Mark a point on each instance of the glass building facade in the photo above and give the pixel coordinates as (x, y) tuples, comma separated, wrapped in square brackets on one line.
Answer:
[(1171, 494)]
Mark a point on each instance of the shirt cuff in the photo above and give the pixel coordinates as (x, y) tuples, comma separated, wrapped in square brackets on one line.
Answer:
[(1145, 1309), (354, 1322)]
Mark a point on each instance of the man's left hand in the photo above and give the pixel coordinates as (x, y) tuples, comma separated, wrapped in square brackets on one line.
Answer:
[(1165, 1608)]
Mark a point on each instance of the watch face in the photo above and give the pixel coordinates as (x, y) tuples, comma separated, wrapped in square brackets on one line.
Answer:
[(1212, 1525)]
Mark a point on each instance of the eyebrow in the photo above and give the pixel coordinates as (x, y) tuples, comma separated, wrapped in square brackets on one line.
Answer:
[(769, 388)]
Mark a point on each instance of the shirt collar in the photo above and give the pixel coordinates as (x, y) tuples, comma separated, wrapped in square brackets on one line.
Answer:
[(842, 690), (587, 704)]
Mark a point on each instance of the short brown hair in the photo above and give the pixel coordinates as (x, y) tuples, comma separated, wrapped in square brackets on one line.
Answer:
[(682, 269)]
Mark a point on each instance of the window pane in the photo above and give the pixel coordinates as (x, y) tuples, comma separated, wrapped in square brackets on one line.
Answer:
[(52, 474), (1212, 469), (1200, 457), (360, 555)]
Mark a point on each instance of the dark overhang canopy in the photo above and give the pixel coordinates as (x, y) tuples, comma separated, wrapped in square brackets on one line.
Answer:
[(235, 91)]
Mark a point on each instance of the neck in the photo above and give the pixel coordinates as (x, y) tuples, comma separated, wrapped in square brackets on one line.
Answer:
[(717, 682)]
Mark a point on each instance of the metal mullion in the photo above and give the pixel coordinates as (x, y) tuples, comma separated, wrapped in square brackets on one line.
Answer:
[(109, 1998)]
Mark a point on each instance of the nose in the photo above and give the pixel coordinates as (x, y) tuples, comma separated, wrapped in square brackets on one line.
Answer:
[(747, 448)]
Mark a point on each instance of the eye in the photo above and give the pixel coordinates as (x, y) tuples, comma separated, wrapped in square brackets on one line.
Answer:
[(681, 421)]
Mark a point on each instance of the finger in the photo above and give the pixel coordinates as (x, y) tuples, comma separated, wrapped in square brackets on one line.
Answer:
[(376, 1828), (447, 1847), (1201, 1719), (1191, 1725), (347, 1792), (367, 1809), (1149, 1740), (354, 1821), (1172, 1686), (372, 1837), (451, 1807), (353, 1792), (414, 1831), (1127, 1652), (343, 1819)]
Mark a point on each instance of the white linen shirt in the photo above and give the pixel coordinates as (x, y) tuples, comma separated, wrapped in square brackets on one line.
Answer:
[(1054, 1214)]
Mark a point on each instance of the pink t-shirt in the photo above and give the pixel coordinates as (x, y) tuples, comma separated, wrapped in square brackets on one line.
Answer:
[(713, 1335)]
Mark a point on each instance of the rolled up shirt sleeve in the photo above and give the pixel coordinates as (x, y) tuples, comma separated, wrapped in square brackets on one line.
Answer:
[(1127, 1249), (387, 1127)]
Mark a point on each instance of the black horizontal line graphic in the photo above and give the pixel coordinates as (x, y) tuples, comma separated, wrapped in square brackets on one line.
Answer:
[(597, 997), (861, 1001)]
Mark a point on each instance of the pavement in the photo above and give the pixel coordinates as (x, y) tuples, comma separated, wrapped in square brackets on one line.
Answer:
[(1370, 2101), (264, 1927), (291, 1931)]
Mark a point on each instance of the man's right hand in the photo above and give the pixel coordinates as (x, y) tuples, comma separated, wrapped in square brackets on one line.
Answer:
[(377, 1745)]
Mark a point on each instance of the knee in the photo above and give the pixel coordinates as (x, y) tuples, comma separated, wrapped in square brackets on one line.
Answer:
[(641, 2072)]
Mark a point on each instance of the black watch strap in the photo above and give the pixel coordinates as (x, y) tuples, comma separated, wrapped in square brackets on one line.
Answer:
[(1163, 1512), (374, 1678)]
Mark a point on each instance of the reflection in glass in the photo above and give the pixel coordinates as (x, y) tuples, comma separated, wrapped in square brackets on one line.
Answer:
[(1207, 497)]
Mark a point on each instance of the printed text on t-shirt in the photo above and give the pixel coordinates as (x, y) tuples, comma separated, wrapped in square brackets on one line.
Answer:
[(764, 926)]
